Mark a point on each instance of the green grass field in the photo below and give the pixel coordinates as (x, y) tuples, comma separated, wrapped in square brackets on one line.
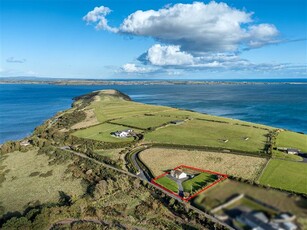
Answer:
[(198, 182), (168, 183), (288, 175), (212, 134), (281, 155), (109, 106), (183, 114), (292, 140), (102, 133), (144, 122), (29, 179)]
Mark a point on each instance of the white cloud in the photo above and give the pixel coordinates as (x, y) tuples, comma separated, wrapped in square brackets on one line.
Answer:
[(98, 16), (172, 59), (133, 68), (172, 56), (196, 27), (168, 55), (262, 34), (15, 60)]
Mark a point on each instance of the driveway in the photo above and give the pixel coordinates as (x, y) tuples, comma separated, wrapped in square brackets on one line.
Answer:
[(179, 183)]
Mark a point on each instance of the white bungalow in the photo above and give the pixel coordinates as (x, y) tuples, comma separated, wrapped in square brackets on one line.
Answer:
[(178, 174), (123, 134)]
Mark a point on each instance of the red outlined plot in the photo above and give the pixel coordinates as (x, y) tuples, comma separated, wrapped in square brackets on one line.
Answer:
[(220, 177)]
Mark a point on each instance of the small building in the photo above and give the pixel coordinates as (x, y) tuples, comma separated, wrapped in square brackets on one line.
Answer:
[(255, 221), (293, 151), (289, 226), (123, 134), (25, 143), (178, 174)]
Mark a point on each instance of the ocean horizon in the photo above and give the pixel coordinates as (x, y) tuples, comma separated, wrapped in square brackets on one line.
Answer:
[(25, 106)]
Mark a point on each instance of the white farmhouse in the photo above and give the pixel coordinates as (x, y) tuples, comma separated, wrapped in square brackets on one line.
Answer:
[(178, 174), (123, 134)]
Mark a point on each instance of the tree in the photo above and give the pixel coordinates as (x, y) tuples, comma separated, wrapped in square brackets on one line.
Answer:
[(100, 189), (17, 223)]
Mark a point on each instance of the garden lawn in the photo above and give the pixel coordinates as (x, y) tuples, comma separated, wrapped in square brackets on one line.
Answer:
[(198, 182), (211, 134), (168, 183), (292, 140), (288, 175), (102, 132)]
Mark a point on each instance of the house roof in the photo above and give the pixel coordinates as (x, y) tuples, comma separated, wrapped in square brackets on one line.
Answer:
[(292, 150), (178, 173)]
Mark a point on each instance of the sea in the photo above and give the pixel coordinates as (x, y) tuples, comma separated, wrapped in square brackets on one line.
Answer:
[(25, 106)]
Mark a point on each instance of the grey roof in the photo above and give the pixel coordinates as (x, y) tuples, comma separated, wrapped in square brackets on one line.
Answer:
[(251, 220)]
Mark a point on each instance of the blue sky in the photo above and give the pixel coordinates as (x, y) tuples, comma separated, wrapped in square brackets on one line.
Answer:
[(161, 39)]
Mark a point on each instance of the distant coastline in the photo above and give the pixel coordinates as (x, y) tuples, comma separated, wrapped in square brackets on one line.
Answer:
[(49, 81)]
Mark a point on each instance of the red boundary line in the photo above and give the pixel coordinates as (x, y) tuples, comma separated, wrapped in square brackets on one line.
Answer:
[(224, 176)]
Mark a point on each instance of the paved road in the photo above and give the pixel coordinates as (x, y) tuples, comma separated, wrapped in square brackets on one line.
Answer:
[(142, 174)]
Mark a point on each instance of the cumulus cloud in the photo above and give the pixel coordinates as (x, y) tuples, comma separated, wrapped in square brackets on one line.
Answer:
[(15, 60), (168, 55), (171, 58), (98, 16), (196, 27), (133, 68)]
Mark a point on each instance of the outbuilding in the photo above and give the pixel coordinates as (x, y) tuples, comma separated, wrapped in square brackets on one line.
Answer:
[(293, 151)]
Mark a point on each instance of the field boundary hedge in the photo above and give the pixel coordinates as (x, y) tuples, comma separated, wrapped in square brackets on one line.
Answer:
[(212, 149)]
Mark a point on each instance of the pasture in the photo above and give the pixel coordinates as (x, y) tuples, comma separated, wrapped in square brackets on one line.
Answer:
[(292, 140), (211, 134), (286, 175), (108, 105), (159, 160), (144, 122), (183, 114), (28, 179), (102, 132)]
